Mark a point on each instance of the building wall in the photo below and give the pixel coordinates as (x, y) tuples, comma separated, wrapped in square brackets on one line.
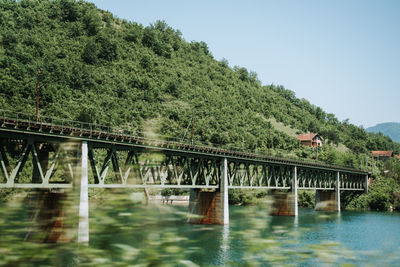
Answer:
[(313, 143), (306, 143)]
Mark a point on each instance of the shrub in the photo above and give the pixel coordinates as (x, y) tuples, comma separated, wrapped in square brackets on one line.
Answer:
[(306, 199)]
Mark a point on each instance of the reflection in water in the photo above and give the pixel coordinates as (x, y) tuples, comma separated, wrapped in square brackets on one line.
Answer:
[(127, 233), (224, 247)]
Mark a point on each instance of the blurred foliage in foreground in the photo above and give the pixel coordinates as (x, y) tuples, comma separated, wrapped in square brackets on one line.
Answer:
[(124, 233)]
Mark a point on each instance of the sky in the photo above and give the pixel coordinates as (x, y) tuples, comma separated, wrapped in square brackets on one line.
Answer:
[(341, 55)]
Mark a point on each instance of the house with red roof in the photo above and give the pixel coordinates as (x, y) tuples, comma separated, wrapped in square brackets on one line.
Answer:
[(311, 139), (382, 154)]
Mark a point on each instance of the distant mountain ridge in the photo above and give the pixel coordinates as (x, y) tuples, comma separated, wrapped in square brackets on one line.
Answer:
[(391, 129)]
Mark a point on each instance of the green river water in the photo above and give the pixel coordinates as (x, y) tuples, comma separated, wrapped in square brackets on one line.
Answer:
[(123, 233)]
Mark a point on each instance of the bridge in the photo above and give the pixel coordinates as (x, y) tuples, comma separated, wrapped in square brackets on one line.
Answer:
[(68, 154)]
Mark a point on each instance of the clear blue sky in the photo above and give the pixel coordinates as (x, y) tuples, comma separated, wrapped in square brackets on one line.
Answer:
[(341, 55)]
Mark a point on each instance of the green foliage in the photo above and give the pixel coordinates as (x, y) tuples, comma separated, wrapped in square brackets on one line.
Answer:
[(161, 38), (353, 201), (392, 166), (246, 197), (91, 22), (89, 54), (167, 192), (108, 48), (173, 192), (384, 191), (306, 199), (378, 200)]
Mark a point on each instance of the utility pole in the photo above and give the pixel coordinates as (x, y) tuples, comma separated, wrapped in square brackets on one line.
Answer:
[(372, 163), (269, 142), (192, 126), (37, 95)]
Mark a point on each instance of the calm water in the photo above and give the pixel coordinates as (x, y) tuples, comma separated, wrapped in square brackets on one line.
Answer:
[(123, 233)]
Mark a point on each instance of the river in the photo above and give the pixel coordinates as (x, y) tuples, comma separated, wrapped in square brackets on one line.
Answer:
[(123, 233)]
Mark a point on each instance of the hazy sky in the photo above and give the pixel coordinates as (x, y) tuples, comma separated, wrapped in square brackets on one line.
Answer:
[(341, 55)]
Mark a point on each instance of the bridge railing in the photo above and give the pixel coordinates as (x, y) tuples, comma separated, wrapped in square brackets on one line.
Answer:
[(28, 120), (17, 119)]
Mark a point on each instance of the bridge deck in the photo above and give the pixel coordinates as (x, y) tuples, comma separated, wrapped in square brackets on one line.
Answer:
[(17, 124)]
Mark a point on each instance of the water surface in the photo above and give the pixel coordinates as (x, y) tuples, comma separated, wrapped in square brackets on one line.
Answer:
[(124, 233)]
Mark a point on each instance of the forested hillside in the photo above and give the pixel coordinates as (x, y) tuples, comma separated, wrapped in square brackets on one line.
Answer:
[(98, 68), (102, 69), (391, 129)]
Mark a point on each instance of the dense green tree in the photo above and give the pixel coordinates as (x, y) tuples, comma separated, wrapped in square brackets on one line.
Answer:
[(89, 54)]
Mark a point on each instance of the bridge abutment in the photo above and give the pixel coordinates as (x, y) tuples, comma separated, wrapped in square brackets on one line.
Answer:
[(286, 203), (47, 207), (283, 204), (207, 207), (328, 200)]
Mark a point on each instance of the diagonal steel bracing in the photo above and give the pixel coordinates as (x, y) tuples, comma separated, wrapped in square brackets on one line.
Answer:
[(115, 165)]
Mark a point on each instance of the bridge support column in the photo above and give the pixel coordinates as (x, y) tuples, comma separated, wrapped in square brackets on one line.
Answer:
[(46, 207), (285, 203), (83, 231), (328, 200), (210, 207)]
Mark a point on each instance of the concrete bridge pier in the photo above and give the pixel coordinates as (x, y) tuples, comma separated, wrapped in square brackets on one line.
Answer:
[(83, 230), (328, 200), (49, 204), (49, 208), (285, 203), (210, 207), (45, 205), (47, 214)]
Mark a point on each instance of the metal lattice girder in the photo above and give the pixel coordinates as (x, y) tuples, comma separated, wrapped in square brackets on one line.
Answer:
[(44, 167), (5, 165), (352, 182), (256, 175), (134, 165), (20, 164), (51, 169), (315, 179), (168, 170)]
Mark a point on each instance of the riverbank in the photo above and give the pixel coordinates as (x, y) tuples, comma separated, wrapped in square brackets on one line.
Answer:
[(170, 200)]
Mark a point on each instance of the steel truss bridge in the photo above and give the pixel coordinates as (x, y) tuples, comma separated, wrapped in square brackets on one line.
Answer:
[(123, 160)]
